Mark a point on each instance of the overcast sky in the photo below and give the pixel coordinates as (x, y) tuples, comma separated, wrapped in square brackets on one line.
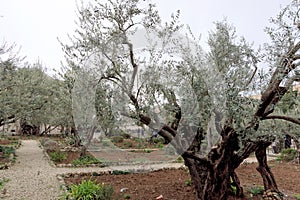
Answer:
[(35, 24)]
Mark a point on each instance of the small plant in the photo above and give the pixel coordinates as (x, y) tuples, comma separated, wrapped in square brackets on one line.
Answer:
[(158, 140), (257, 190), (127, 196), (147, 151), (105, 143), (179, 159), (233, 187), (8, 152), (188, 182), (288, 154), (297, 196), (90, 190), (86, 160), (58, 156), (2, 183)]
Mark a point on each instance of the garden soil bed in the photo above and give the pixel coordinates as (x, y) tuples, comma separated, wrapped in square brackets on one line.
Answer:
[(70, 156), (172, 184)]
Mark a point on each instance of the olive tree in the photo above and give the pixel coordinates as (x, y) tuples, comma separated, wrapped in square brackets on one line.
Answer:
[(197, 101), (28, 95)]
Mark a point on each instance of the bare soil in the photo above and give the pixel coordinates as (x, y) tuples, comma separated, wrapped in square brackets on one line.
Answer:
[(174, 183), (5, 142)]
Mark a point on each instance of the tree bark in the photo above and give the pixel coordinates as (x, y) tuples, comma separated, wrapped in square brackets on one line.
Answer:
[(271, 189), (74, 132), (212, 176), (235, 182), (297, 143)]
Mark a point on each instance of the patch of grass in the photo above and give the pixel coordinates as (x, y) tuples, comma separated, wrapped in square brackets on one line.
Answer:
[(288, 154), (297, 196), (127, 196), (58, 156), (2, 182), (86, 160), (257, 190), (90, 190)]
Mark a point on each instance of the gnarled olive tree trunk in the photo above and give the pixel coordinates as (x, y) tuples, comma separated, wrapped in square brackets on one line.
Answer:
[(213, 175), (271, 189)]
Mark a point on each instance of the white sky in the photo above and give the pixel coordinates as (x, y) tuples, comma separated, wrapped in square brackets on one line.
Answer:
[(35, 24)]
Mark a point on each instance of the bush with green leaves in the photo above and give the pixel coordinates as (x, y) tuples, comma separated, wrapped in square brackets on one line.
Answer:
[(297, 196), (86, 160), (8, 152), (58, 156), (90, 190), (288, 154)]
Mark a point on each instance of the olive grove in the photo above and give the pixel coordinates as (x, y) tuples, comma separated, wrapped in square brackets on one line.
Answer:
[(29, 97), (198, 101)]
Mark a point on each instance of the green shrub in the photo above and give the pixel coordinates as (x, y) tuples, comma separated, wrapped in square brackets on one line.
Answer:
[(297, 196), (257, 190), (288, 154), (58, 156), (90, 190), (9, 152), (86, 160), (160, 145)]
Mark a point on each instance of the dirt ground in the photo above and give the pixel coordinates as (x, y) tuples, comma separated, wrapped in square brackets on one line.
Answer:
[(175, 184)]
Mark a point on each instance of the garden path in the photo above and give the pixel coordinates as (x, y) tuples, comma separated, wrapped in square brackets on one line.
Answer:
[(32, 177)]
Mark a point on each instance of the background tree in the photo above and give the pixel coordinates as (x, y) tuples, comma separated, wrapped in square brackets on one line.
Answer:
[(29, 96)]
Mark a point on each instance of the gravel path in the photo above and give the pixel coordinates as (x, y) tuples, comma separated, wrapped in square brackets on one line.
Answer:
[(32, 177)]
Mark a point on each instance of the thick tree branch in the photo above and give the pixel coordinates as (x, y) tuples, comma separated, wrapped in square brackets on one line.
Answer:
[(133, 64), (286, 118)]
